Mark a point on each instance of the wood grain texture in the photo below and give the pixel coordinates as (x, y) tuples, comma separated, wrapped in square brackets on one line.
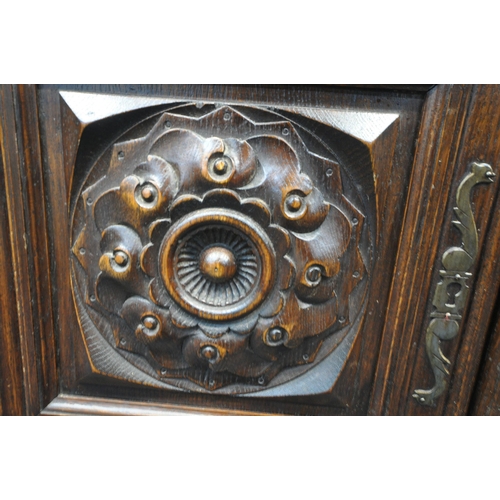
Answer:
[(416, 178), (458, 114), (14, 190), (66, 405), (486, 396), (227, 90), (440, 131), (159, 201), (56, 179), (392, 185), (39, 256), (407, 88), (395, 148), (378, 98), (25, 208), (482, 142), (11, 376)]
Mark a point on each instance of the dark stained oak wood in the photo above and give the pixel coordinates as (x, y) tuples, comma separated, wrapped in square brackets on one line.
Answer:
[(440, 131), (174, 195), (419, 141), (409, 88), (394, 148), (482, 142), (14, 192), (43, 327), (486, 395), (458, 114), (142, 89), (11, 377), (28, 240), (65, 405)]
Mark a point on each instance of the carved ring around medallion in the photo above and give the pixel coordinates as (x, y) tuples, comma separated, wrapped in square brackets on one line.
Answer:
[(217, 264)]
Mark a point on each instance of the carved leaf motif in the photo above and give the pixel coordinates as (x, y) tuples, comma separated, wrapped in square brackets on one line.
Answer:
[(322, 249), (213, 254), (119, 264), (283, 179), (195, 158), (141, 198)]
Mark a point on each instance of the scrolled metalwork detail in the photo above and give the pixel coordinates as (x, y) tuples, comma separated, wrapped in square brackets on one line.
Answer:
[(451, 292)]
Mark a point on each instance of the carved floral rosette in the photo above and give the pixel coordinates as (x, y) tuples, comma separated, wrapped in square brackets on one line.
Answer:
[(207, 256)]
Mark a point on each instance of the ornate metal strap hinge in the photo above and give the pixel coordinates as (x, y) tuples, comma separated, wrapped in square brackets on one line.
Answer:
[(452, 291)]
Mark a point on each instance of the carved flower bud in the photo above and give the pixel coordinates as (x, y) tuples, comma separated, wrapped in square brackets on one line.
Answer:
[(294, 206), (275, 336)]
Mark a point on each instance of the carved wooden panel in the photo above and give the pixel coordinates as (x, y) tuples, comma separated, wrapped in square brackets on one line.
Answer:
[(223, 248), (246, 248)]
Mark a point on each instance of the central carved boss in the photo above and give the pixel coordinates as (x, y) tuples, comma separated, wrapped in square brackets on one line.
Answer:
[(217, 264), (217, 259)]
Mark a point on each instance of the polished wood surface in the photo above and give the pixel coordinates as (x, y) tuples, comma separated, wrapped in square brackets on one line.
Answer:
[(486, 398), (27, 322), (419, 142)]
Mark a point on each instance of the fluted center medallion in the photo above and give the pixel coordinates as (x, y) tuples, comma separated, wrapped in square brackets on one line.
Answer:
[(217, 264)]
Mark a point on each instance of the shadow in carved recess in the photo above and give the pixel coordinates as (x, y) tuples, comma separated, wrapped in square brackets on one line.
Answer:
[(220, 248)]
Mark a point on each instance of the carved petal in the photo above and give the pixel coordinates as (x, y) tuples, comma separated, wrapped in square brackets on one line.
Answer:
[(280, 164), (242, 326), (141, 197), (121, 248), (183, 205), (187, 151), (307, 324), (253, 207), (213, 330), (284, 179), (286, 274), (160, 172), (110, 294), (280, 238), (246, 364), (222, 198), (301, 320), (181, 318), (245, 325), (214, 198), (158, 294), (152, 328), (323, 249), (272, 305), (135, 309), (149, 256), (244, 159), (258, 210), (315, 212), (193, 156), (196, 346), (266, 352)]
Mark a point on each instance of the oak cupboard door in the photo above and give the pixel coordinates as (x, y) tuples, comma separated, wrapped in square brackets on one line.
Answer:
[(247, 249)]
